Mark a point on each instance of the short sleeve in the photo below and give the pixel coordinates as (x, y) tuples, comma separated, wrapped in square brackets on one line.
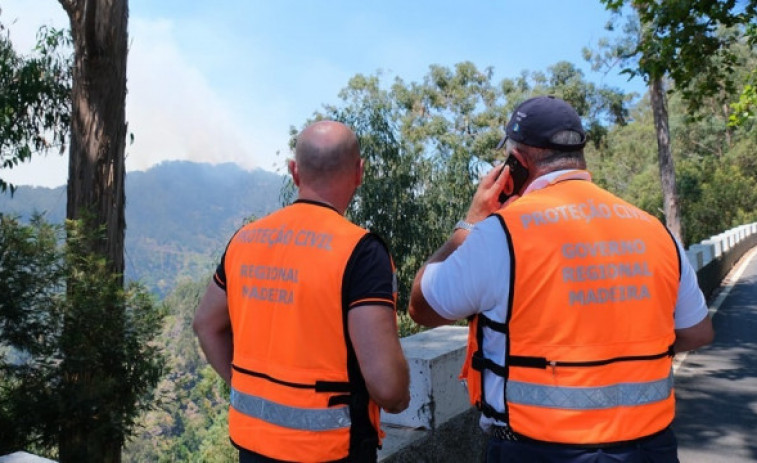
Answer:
[(691, 307), (370, 278), (220, 276)]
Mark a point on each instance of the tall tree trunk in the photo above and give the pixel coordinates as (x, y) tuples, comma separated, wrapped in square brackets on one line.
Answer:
[(665, 159), (96, 173), (96, 194)]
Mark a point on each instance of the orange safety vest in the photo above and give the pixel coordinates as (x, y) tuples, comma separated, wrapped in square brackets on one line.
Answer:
[(296, 390), (590, 326)]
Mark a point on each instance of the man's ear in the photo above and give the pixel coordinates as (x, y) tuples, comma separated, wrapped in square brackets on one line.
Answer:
[(292, 164)]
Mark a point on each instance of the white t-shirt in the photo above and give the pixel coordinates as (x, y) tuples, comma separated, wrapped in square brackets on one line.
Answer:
[(470, 281)]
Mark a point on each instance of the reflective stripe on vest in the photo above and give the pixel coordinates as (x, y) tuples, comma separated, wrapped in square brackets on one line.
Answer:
[(590, 398), (305, 419)]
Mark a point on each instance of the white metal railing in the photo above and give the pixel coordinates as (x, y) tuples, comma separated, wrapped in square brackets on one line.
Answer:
[(704, 252)]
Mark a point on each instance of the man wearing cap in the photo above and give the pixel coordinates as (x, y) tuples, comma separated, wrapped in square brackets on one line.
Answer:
[(577, 302)]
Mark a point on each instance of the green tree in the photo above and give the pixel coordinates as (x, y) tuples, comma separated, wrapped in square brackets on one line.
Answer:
[(110, 363), (31, 274), (626, 163), (35, 98), (49, 286), (96, 195), (715, 164), (721, 196), (680, 40), (742, 108), (426, 142)]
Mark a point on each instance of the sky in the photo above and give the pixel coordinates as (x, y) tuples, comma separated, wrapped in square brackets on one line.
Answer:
[(224, 81)]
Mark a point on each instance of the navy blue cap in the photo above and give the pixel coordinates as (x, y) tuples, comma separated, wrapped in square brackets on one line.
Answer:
[(537, 119)]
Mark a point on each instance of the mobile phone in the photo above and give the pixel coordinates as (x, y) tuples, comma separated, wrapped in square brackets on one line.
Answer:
[(518, 175)]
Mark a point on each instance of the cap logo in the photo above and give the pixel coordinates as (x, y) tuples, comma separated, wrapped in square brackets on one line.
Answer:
[(516, 127)]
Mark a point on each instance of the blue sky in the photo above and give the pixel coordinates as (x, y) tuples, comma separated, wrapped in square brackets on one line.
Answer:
[(223, 81)]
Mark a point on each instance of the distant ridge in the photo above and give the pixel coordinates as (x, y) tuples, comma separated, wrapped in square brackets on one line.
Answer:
[(179, 215)]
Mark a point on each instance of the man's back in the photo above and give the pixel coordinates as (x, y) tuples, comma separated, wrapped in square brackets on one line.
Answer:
[(302, 309), (284, 285), (593, 299)]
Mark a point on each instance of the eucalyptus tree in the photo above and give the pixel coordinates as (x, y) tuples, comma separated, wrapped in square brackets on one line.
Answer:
[(108, 373), (679, 41), (98, 123)]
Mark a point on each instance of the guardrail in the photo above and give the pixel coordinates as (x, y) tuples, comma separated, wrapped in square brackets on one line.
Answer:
[(714, 257), (440, 425)]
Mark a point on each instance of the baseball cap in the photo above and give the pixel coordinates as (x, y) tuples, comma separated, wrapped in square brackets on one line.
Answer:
[(537, 119)]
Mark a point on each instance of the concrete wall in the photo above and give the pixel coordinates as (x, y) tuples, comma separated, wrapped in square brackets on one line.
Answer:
[(439, 425)]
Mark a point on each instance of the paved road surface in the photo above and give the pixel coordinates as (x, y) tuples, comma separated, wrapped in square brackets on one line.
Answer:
[(716, 386)]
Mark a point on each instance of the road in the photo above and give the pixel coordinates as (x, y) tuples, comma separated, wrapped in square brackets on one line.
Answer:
[(716, 387)]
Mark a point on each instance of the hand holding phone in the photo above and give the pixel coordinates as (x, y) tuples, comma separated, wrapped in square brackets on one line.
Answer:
[(518, 177)]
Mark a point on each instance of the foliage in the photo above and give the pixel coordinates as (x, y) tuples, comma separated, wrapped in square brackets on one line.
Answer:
[(721, 196), (31, 274), (425, 144), (189, 419), (690, 41), (744, 108), (35, 98), (627, 163), (64, 332), (110, 364)]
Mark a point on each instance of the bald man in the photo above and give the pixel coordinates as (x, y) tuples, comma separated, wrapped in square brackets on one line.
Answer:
[(300, 319)]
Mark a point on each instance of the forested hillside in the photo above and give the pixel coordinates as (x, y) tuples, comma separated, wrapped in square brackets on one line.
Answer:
[(179, 216), (188, 420)]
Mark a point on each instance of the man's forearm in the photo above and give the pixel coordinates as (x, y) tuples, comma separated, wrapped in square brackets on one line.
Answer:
[(218, 349), (694, 337)]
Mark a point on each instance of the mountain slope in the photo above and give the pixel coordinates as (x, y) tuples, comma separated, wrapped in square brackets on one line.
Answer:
[(179, 216)]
